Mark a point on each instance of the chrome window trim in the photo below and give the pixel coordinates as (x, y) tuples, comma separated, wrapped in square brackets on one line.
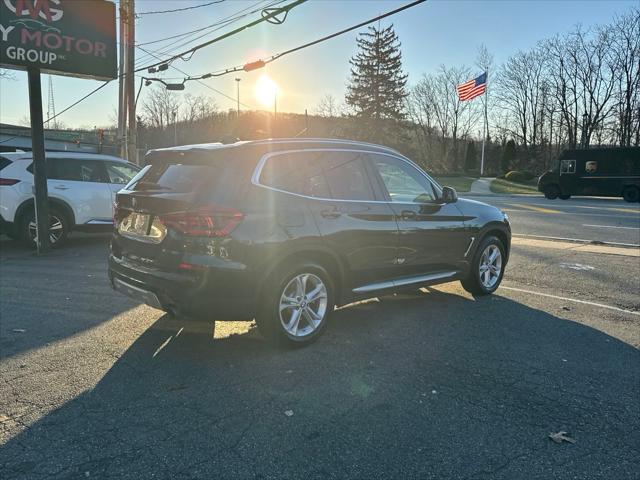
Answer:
[(255, 178)]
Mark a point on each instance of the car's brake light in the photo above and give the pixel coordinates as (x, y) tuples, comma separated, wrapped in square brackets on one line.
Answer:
[(207, 222), (8, 181)]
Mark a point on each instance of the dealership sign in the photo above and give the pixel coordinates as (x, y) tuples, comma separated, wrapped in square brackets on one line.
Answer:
[(68, 37)]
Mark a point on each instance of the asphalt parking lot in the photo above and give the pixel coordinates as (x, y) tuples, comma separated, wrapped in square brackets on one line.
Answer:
[(435, 384)]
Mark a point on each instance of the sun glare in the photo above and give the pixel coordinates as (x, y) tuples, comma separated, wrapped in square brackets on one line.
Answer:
[(266, 91)]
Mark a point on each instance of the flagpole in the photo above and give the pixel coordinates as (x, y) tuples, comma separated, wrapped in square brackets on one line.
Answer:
[(484, 130)]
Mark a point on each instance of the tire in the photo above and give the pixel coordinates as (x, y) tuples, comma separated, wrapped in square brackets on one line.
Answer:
[(551, 191), (477, 282), (58, 224), (631, 194), (564, 197), (289, 323)]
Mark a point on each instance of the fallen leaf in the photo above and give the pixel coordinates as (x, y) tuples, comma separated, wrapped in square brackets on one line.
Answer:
[(288, 413), (567, 309), (4, 418), (560, 437)]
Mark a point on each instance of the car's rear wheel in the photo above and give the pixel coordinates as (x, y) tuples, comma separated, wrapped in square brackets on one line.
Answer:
[(58, 228), (295, 311), (487, 267), (551, 191), (631, 194)]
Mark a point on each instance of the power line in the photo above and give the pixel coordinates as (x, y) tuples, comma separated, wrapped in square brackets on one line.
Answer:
[(204, 84), (69, 107), (231, 18), (268, 17), (261, 63), (167, 50), (179, 9)]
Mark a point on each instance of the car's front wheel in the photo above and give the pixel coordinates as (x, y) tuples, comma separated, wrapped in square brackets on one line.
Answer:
[(487, 268), (58, 228), (295, 311)]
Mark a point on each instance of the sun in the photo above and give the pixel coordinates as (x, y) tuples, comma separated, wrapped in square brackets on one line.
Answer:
[(266, 91)]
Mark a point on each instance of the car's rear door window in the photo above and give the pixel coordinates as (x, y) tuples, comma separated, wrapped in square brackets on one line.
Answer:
[(330, 174)]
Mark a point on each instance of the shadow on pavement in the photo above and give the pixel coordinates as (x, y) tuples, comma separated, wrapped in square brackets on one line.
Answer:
[(426, 386), (67, 289)]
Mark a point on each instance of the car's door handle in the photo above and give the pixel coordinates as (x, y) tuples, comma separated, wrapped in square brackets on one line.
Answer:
[(408, 214), (61, 187), (333, 213)]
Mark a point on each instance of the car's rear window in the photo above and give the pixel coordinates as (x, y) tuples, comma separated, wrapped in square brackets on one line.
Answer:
[(177, 178)]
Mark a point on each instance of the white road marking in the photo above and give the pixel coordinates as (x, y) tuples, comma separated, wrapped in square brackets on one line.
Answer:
[(610, 226), (575, 300)]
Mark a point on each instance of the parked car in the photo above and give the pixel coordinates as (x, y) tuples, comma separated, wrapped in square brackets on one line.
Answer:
[(604, 172), (283, 230), (81, 188)]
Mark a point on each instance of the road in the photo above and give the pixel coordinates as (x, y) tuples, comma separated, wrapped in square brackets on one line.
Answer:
[(431, 385), (607, 220)]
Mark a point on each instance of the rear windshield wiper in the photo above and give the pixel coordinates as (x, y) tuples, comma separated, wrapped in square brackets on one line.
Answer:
[(151, 186)]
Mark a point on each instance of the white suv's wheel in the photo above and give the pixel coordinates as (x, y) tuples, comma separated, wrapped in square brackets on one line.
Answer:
[(58, 228), (296, 311)]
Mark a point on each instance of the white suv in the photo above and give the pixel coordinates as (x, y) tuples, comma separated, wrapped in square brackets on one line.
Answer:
[(82, 189)]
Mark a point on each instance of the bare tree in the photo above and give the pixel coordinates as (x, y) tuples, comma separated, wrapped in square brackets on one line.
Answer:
[(197, 107), (159, 107), (436, 105), (327, 106), (519, 92), (625, 43)]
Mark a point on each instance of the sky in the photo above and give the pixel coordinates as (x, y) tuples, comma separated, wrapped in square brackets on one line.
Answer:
[(436, 32)]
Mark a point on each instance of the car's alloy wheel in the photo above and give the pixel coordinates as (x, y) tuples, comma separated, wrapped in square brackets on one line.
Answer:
[(486, 268), (303, 305), (295, 309), (490, 267), (58, 228)]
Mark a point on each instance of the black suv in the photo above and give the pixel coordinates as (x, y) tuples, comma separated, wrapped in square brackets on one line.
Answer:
[(284, 230)]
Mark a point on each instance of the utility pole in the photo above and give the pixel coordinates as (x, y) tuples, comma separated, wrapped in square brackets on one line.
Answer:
[(132, 131), (238, 85), (175, 128), (121, 92)]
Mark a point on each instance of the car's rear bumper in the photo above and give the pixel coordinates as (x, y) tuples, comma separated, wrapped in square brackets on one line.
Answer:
[(208, 293)]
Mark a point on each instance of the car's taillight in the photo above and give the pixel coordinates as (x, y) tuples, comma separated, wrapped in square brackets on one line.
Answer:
[(8, 181), (206, 222)]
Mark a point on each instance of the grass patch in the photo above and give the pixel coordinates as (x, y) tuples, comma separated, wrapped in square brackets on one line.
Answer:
[(504, 186), (461, 184)]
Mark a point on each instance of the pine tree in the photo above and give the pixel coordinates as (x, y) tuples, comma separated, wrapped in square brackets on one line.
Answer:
[(377, 85)]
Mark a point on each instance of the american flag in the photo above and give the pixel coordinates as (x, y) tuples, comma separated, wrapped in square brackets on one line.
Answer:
[(472, 88)]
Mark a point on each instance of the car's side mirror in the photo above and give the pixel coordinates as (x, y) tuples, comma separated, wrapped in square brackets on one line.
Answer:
[(449, 195)]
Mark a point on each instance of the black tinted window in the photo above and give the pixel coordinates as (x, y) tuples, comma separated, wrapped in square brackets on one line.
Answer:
[(177, 177), (78, 170), (322, 174), (297, 172)]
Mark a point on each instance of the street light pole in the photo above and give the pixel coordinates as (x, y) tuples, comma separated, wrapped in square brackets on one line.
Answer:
[(238, 88)]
